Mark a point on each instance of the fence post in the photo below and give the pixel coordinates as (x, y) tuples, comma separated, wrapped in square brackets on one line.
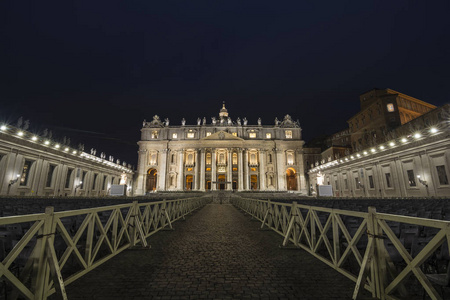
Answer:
[(42, 267), (373, 261), (136, 226)]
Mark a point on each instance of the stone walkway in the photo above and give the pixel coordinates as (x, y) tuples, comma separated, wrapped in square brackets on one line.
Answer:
[(217, 253)]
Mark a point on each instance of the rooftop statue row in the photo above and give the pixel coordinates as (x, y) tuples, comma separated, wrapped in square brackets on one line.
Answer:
[(222, 121)]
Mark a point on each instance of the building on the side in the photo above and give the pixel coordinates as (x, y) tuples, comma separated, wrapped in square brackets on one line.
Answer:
[(383, 110), (33, 165), (223, 154), (411, 161)]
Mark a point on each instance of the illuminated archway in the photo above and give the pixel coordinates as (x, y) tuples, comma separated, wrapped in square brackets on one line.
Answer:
[(151, 180), (189, 181), (291, 179), (221, 180), (254, 182)]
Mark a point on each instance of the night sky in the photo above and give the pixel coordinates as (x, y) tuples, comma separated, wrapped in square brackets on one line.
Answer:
[(94, 70)]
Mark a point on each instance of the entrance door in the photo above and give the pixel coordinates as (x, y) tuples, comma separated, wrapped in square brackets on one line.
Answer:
[(254, 182), (221, 182), (151, 180), (291, 180), (189, 181)]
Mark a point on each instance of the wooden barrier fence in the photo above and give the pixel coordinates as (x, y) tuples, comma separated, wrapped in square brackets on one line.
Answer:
[(382, 253), (42, 253)]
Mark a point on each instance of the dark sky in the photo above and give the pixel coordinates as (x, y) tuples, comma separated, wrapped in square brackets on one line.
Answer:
[(93, 70)]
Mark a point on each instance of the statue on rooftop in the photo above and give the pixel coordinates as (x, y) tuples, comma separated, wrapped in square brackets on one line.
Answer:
[(259, 121), (166, 120), (183, 121), (204, 121), (213, 120), (245, 121), (238, 121), (199, 121)]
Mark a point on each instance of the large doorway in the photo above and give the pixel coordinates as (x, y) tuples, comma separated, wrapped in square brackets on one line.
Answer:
[(189, 181), (254, 182), (291, 179), (151, 180), (221, 180)]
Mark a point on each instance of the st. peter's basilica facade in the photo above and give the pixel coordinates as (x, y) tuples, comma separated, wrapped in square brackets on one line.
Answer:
[(222, 154)]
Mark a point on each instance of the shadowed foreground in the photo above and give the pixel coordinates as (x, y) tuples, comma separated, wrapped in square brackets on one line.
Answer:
[(218, 253)]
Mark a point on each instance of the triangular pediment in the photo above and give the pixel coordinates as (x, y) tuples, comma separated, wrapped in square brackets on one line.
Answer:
[(222, 135)]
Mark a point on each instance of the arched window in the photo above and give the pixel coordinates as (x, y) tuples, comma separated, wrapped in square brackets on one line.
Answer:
[(190, 158), (153, 158), (172, 158), (270, 158), (208, 158), (253, 159), (235, 159), (290, 158), (222, 158)]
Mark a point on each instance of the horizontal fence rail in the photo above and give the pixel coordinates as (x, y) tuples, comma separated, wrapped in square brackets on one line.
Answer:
[(42, 253), (386, 254)]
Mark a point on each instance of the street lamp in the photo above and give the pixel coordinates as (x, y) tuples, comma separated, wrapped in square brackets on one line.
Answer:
[(12, 181), (424, 182)]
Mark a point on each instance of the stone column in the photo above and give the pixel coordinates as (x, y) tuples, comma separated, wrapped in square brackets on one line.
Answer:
[(202, 169), (281, 178), (230, 170), (213, 169), (301, 183), (196, 175), (142, 163), (162, 163), (180, 185), (262, 170), (246, 169), (240, 171)]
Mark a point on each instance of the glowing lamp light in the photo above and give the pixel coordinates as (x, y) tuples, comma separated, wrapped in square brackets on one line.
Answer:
[(358, 155), (346, 159), (381, 147), (3, 127), (417, 135), (404, 140), (47, 142), (74, 152), (392, 144), (352, 157), (365, 152), (34, 138), (372, 150), (20, 133), (66, 149), (57, 146), (433, 130)]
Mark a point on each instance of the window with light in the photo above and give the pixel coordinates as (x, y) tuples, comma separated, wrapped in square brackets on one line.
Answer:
[(288, 134), (268, 135)]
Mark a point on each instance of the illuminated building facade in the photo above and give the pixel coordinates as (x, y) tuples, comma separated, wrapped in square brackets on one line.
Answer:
[(32, 165), (223, 154), (412, 161), (383, 110)]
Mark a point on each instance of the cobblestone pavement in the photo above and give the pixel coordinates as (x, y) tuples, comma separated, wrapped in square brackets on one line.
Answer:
[(217, 253)]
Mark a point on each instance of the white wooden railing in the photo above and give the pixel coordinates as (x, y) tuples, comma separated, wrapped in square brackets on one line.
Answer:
[(363, 246), (52, 241)]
